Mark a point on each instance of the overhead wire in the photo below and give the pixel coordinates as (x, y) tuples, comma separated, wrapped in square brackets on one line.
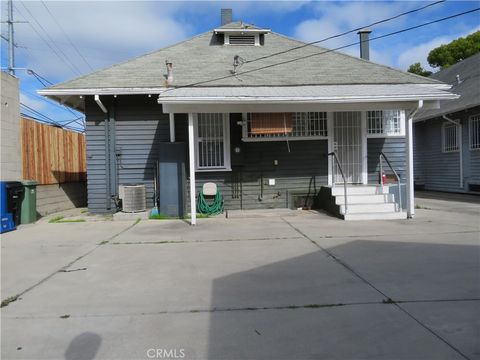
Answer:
[(68, 37), (322, 52), (348, 31), (65, 59)]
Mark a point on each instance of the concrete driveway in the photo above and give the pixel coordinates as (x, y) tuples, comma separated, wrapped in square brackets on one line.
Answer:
[(298, 285)]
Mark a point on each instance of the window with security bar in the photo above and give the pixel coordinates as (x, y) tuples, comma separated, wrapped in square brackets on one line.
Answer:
[(212, 139), (280, 126), (383, 123), (449, 137), (474, 132)]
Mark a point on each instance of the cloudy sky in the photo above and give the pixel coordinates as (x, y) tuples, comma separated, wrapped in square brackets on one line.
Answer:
[(65, 39)]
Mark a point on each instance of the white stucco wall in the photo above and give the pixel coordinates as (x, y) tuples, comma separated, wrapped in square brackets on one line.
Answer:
[(10, 145)]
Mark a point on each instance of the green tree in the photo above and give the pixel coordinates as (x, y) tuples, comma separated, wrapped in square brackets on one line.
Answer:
[(457, 50), (419, 70)]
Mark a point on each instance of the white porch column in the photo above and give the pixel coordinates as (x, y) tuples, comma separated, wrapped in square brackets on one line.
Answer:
[(409, 153), (191, 154), (172, 127)]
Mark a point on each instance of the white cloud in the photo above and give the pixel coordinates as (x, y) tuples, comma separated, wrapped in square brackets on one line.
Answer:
[(105, 33), (420, 52)]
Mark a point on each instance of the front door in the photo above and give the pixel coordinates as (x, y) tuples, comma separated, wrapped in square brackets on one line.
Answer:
[(347, 144)]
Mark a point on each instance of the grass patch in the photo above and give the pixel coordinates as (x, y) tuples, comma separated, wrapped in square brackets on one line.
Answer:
[(422, 207), (161, 217), (61, 219), (199, 216), (9, 300), (103, 242), (66, 316), (71, 221), (55, 219), (137, 221)]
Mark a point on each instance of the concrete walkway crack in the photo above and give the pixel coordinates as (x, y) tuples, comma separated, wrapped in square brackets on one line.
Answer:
[(387, 298), (63, 269)]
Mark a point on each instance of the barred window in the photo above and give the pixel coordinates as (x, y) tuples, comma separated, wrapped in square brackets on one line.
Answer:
[(450, 137), (474, 132), (213, 146), (383, 123), (278, 126)]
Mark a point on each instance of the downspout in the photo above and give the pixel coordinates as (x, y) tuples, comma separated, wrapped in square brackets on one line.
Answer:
[(100, 104), (107, 151), (172, 126), (460, 146), (410, 182)]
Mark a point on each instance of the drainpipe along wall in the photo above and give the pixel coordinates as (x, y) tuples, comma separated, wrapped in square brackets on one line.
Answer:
[(460, 146), (410, 183), (110, 161)]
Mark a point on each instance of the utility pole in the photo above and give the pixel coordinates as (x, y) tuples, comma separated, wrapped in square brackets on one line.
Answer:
[(11, 43)]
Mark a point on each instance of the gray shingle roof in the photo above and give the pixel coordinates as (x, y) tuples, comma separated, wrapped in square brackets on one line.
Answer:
[(468, 89), (199, 59)]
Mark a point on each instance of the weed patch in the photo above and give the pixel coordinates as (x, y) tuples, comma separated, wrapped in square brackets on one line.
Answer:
[(9, 300)]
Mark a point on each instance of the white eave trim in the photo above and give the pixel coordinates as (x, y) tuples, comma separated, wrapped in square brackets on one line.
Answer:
[(287, 100), (236, 31), (102, 91)]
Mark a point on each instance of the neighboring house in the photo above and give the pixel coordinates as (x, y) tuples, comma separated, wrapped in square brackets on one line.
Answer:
[(260, 113), (447, 140)]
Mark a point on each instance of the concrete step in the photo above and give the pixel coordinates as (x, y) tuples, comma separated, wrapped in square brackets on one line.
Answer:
[(368, 208), (365, 199), (376, 216), (338, 190)]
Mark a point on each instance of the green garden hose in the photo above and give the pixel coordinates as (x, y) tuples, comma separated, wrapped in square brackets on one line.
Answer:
[(214, 208)]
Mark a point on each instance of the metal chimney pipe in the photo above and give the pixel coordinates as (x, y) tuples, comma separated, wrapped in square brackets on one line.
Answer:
[(225, 16), (364, 43), (169, 71)]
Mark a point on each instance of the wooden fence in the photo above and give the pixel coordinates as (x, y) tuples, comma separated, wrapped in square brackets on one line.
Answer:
[(52, 155)]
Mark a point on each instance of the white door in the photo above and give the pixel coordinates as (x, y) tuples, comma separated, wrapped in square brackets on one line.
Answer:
[(347, 144)]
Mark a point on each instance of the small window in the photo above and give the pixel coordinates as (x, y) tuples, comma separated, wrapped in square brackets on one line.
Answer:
[(450, 137), (213, 142), (383, 123), (278, 126), (474, 132)]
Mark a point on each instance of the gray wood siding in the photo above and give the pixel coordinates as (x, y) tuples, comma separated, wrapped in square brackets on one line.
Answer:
[(96, 158), (441, 171), (139, 126), (303, 170), (394, 149)]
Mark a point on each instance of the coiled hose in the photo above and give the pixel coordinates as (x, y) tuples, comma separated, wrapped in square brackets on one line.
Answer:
[(214, 208)]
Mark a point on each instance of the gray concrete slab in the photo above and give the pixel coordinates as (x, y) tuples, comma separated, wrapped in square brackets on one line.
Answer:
[(131, 279), (246, 288), (352, 332), (458, 322), (34, 252), (208, 230)]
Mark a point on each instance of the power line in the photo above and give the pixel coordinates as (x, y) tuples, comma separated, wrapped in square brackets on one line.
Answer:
[(46, 119), (348, 32), (324, 52), (67, 37), (65, 59)]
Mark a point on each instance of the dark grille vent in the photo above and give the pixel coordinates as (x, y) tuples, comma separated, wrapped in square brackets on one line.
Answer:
[(242, 39)]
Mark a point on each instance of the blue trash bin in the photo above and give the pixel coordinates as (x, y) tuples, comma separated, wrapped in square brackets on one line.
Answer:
[(11, 195)]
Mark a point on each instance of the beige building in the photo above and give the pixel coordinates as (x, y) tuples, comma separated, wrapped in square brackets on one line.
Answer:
[(10, 146)]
